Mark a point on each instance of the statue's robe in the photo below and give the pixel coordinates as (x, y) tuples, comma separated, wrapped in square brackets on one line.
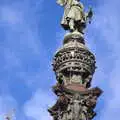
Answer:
[(72, 10)]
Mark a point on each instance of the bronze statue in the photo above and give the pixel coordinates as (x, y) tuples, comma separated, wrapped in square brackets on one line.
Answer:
[(74, 18)]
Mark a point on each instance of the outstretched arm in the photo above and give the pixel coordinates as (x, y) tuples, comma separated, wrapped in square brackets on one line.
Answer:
[(89, 15)]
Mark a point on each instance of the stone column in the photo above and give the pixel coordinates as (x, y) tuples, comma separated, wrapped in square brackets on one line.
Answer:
[(74, 66)]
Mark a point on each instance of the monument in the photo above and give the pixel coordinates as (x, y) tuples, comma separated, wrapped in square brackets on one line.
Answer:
[(74, 66)]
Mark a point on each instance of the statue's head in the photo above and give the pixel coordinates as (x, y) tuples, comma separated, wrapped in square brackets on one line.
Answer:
[(61, 2)]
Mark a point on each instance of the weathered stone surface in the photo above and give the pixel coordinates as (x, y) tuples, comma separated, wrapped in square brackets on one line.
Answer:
[(74, 61), (74, 66), (74, 104)]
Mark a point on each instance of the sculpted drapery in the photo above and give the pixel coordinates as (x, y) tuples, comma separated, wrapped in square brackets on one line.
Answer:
[(74, 17)]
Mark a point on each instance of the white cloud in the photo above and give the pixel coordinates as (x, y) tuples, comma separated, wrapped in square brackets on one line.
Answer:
[(106, 26), (37, 106), (21, 46), (20, 41)]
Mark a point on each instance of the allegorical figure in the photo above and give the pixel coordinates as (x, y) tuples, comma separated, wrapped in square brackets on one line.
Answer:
[(74, 18)]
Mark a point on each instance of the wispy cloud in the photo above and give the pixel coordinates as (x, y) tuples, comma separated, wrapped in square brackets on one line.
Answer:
[(37, 106), (21, 48), (22, 55), (105, 43), (20, 43)]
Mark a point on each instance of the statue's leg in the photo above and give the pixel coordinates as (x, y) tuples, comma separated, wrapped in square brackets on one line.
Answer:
[(71, 25)]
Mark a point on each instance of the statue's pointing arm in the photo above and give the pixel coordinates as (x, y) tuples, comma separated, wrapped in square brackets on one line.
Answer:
[(89, 15)]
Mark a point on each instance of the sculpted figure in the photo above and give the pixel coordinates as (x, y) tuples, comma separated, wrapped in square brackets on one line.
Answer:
[(74, 18)]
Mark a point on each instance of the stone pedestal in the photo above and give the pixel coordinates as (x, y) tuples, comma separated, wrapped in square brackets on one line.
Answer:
[(74, 66)]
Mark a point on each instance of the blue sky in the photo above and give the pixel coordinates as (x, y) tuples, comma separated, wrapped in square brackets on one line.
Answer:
[(30, 33)]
